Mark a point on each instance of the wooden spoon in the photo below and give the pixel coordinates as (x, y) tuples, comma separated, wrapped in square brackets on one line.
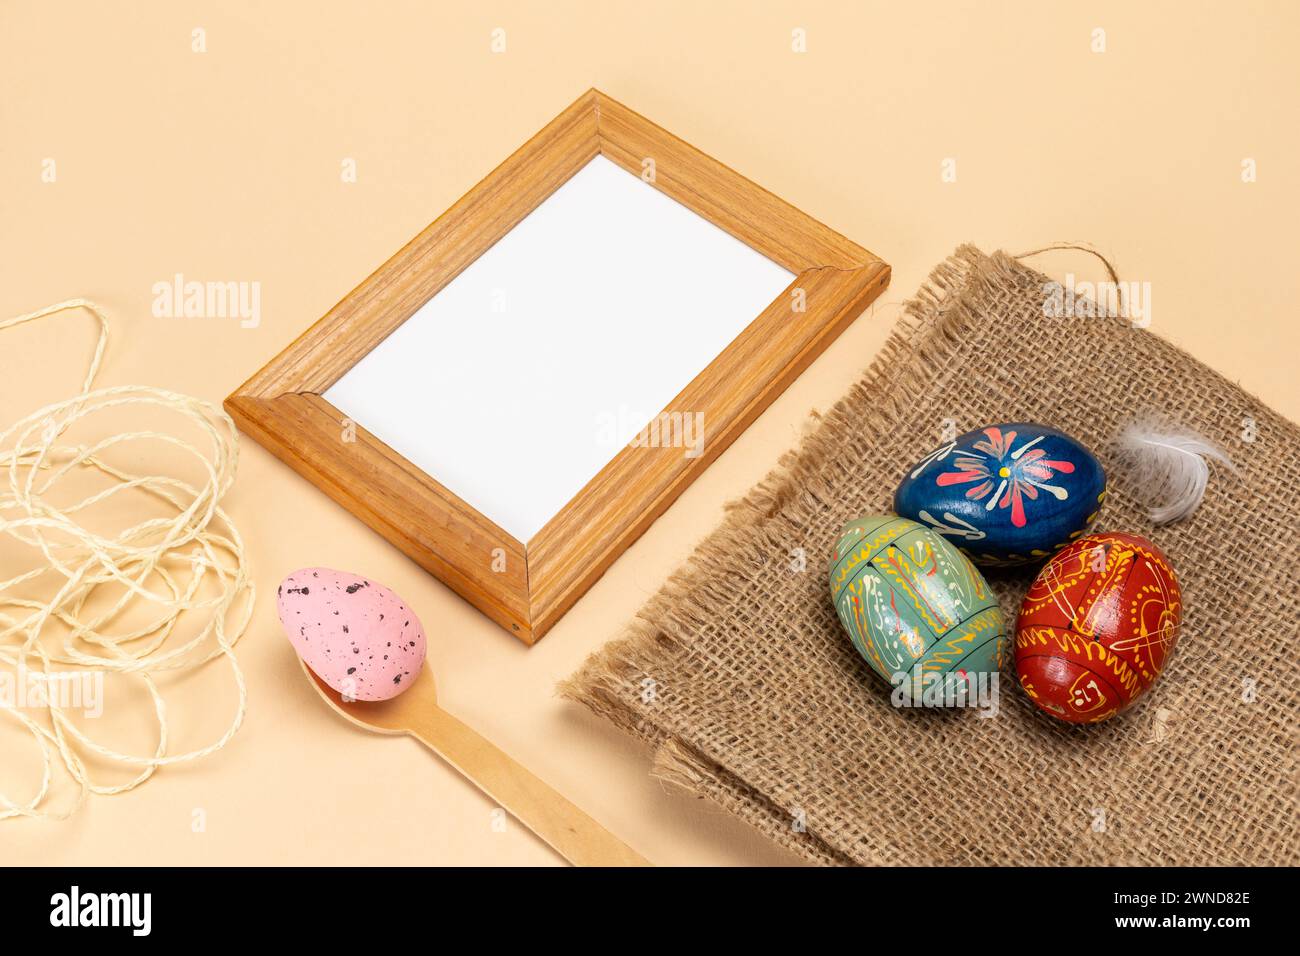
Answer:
[(570, 832)]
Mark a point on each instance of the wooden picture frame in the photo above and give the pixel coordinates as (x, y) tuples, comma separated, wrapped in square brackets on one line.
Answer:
[(527, 586)]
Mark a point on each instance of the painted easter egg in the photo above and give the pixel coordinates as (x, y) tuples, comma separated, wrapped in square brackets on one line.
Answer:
[(1097, 626), (913, 605), (1007, 494), (357, 635)]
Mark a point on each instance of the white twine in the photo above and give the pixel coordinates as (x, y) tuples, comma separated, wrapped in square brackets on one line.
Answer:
[(161, 561)]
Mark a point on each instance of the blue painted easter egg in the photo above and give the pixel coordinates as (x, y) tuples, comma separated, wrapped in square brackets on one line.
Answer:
[(1007, 494), (915, 607)]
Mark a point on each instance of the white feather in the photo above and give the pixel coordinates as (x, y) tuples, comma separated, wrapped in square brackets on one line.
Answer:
[(1166, 467)]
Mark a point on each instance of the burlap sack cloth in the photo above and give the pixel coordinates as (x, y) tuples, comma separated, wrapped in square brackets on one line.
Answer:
[(739, 675)]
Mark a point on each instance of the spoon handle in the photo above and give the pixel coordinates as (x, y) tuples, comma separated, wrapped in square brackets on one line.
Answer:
[(570, 832)]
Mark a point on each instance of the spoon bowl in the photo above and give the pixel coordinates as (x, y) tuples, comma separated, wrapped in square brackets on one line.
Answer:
[(393, 716)]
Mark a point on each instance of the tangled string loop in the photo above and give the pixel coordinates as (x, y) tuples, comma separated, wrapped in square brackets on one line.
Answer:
[(76, 612)]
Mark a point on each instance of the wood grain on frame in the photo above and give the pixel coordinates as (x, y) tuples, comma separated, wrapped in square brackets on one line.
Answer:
[(527, 587), (443, 534)]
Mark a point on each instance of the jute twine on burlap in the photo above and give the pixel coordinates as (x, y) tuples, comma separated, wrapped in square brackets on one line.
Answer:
[(740, 677)]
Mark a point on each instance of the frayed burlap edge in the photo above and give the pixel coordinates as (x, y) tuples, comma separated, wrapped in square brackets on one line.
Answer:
[(687, 602), (679, 631)]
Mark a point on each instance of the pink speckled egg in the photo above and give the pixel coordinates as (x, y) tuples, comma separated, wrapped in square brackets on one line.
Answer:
[(357, 635)]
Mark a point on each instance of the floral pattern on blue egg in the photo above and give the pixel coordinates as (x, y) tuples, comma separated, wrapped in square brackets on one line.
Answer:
[(1006, 494), (915, 607)]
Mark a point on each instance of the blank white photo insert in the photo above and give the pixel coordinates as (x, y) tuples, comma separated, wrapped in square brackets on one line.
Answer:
[(529, 371)]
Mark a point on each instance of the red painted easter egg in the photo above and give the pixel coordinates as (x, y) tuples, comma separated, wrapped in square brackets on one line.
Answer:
[(1097, 626)]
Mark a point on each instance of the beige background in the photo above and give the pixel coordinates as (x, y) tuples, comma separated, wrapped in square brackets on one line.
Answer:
[(226, 165)]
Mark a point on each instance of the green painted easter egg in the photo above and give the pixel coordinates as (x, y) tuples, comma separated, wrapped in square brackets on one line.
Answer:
[(914, 606)]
